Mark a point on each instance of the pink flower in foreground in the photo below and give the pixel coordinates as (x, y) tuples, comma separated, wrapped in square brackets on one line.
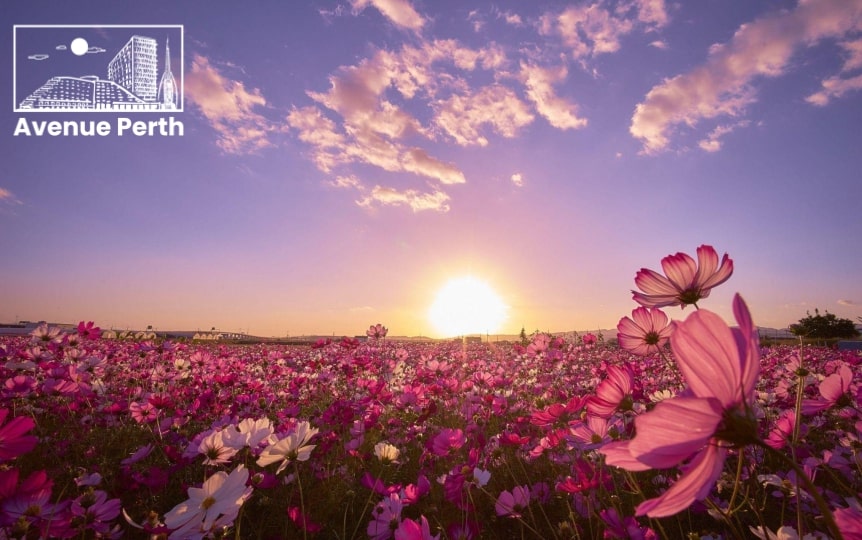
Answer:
[(13, 441), (89, 330), (448, 440), (646, 332), (721, 366), (849, 522), (686, 281)]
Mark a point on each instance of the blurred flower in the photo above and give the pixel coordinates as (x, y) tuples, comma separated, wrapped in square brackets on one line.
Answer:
[(721, 366), (686, 283), (447, 440), (646, 332), (89, 330), (411, 530)]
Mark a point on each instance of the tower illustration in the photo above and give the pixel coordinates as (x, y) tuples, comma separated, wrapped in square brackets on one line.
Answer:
[(167, 84)]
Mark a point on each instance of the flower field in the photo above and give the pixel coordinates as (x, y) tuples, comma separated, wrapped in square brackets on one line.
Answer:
[(698, 433)]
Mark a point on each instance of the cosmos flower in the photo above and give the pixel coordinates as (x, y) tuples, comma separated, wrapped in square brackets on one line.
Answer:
[(686, 283), (386, 453), (513, 503), (215, 504), (294, 447), (377, 331), (834, 390), (613, 393), (646, 332), (721, 366), (412, 530), (13, 438)]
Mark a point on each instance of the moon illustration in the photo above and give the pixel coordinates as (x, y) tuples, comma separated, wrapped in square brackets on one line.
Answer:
[(79, 46)]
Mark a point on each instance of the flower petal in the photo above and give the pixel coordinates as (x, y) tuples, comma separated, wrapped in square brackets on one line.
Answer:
[(698, 479), (674, 430)]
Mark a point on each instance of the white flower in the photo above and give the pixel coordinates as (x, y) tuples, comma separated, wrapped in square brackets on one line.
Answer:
[(215, 504), (386, 453), (293, 447)]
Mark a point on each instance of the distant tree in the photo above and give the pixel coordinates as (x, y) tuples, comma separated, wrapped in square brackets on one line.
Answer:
[(523, 337), (823, 326)]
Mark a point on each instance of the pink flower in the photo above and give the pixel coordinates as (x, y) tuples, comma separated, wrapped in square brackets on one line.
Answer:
[(624, 528), (589, 340), (13, 441), (721, 366), (512, 504), (849, 521), (301, 520), (386, 518), (447, 440), (613, 393), (832, 389), (89, 330), (411, 530), (377, 331), (646, 332), (686, 281)]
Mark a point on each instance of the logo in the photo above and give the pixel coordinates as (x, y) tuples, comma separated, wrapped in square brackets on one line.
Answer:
[(97, 68)]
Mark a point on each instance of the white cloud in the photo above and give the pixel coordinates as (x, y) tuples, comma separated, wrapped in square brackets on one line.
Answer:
[(723, 85), (230, 109), (593, 29), (436, 201), (843, 302), (346, 182), (539, 82), (400, 12), (838, 85), (518, 179), (659, 44), (712, 142), (462, 116), (513, 19)]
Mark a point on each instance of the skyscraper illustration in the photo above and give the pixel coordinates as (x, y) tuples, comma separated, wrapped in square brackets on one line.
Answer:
[(168, 85), (135, 67)]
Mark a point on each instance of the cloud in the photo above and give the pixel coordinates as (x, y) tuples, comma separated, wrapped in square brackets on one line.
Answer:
[(399, 12), (229, 108), (462, 116), (838, 85), (37, 57), (539, 82), (346, 182), (513, 19), (61, 47), (6, 196), (518, 179), (712, 142), (723, 85), (436, 201), (659, 44), (589, 30), (846, 302), (95, 50)]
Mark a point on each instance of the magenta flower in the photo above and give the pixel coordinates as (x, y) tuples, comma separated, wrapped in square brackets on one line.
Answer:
[(513, 504), (646, 332), (13, 441), (89, 330), (448, 440), (849, 522), (721, 366), (686, 281)]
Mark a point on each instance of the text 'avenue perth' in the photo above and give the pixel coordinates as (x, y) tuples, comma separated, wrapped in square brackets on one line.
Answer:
[(122, 127)]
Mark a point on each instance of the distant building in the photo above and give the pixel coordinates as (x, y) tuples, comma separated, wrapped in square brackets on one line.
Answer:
[(135, 67)]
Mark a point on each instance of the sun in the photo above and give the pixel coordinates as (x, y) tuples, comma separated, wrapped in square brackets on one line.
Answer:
[(467, 305)]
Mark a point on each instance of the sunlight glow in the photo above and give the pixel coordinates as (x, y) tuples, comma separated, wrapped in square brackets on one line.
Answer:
[(467, 305)]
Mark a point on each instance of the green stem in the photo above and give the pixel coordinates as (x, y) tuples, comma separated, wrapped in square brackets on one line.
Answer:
[(301, 500), (810, 488)]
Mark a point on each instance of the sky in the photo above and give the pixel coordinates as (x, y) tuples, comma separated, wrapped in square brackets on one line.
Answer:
[(342, 160)]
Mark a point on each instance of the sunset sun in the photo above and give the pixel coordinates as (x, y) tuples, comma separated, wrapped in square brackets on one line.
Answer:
[(467, 305)]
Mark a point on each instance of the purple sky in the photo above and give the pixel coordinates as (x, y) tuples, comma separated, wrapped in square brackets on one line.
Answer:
[(342, 160)]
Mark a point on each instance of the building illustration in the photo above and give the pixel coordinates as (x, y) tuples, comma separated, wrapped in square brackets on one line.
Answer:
[(131, 83)]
